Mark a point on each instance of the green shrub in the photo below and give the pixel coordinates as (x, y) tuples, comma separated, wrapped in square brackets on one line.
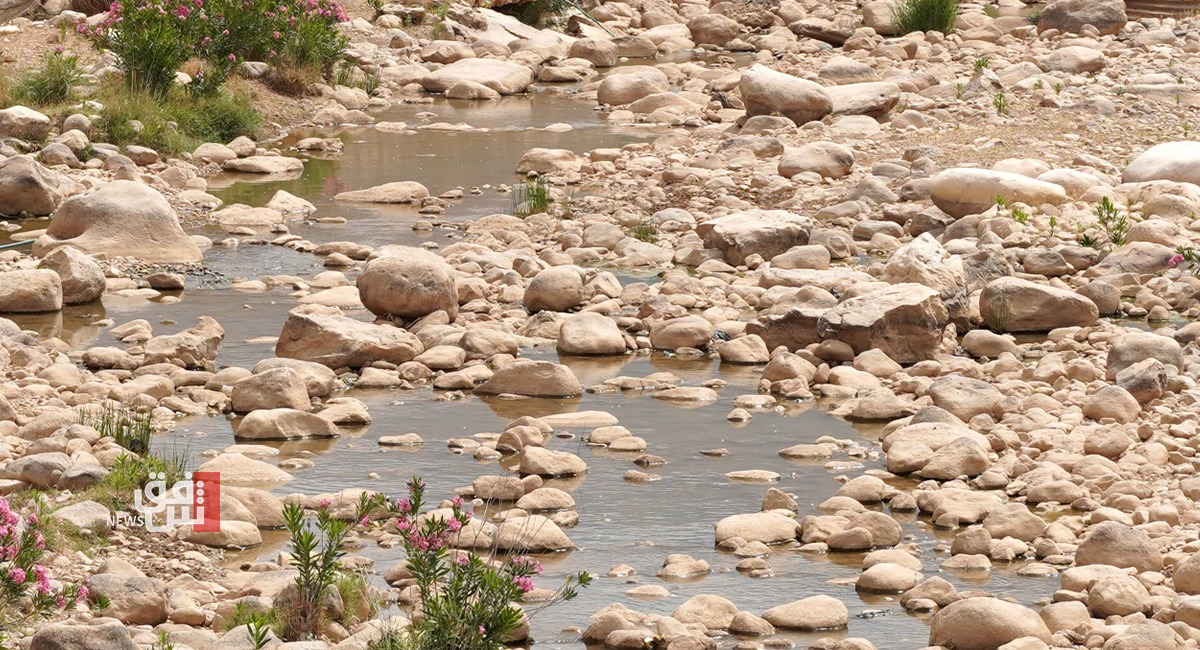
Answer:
[(315, 555), (537, 12), (926, 16), (177, 123), (53, 84)]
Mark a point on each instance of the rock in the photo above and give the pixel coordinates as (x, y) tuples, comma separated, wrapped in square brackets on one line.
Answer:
[(270, 389), (924, 261), (408, 283), (886, 578), (30, 291), (629, 84), (81, 277), (1070, 16), (282, 165), (237, 470), (600, 52), (1129, 349), (213, 152), (532, 379), (1117, 595), (713, 29), (1017, 305), (767, 92), (504, 77), (875, 99), (747, 624), (284, 424), (23, 123), (319, 380), (540, 461), (588, 333), (195, 347), (744, 350), (396, 192), (984, 624), (558, 288), (540, 160), (829, 159), (1119, 545), (1187, 575), (962, 457), (471, 90), (904, 321), (61, 636), (808, 614), (322, 334), (963, 191), (121, 219), (1169, 161), (1014, 520), (233, 535), (85, 515), (765, 527), (1073, 59), (710, 611), (683, 332), (27, 187), (965, 398), (133, 600), (763, 232)]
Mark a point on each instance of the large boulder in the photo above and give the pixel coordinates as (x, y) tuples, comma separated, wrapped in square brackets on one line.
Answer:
[(133, 599), (1018, 305), (765, 232), (1073, 59), (322, 334), (195, 347), (408, 283), (270, 389), (627, 85), (1129, 349), (532, 379), (30, 291), (1116, 544), (589, 333), (27, 187), (767, 92), (558, 288), (829, 159), (713, 29), (1070, 16), (540, 461), (23, 123), (394, 192), (504, 77), (924, 261), (984, 624), (682, 332), (765, 527), (60, 636), (82, 278), (963, 191), (1169, 161), (904, 321), (809, 614), (874, 98), (121, 219), (284, 424)]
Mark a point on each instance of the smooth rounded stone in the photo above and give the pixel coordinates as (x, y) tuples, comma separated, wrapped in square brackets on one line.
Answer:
[(532, 379), (873, 98), (1112, 402), (681, 567), (748, 624), (1169, 161), (1117, 595), (213, 152), (504, 77), (323, 335), (589, 334), (540, 160), (1146, 635), (61, 636), (545, 499), (984, 624), (683, 332), (963, 191), (864, 489), (498, 488), (558, 288), (744, 350), (408, 283), (1073, 59), (233, 535), (687, 394), (394, 192), (28, 187), (273, 388), (264, 165), (805, 451), (766, 233), (962, 457), (284, 424), (240, 471), (892, 556), (713, 29), (708, 610), (544, 462), (629, 84), (887, 578), (30, 291), (966, 398), (120, 219), (1065, 615), (401, 440), (532, 534), (600, 52), (648, 592), (765, 527), (1129, 349), (1018, 305), (1119, 545), (23, 123), (829, 159), (809, 614), (753, 476), (628, 444), (578, 420), (904, 321), (1071, 16), (768, 92), (85, 515), (81, 276), (985, 343), (1014, 520), (851, 540)]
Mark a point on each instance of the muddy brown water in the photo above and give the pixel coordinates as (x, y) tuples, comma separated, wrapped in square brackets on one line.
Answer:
[(619, 522)]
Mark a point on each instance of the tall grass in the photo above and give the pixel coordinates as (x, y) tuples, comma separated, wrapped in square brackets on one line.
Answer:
[(177, 123), (926, 16), (130, 428), (531, 197), (51, 85)]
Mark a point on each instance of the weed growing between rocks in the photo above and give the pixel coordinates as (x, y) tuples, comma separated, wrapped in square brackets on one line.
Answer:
[(52, 85), (531, 197), (926, 16), (130, 428), (644, 230), (176, 123), (1113, 221), (130, 473), (26, 593)]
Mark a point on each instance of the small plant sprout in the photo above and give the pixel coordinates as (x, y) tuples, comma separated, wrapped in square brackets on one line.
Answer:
[(1187, 130), (1113, 221), (1019, 215), (1039, 84), (644, 230), (1058, 88), (1119, 90), (1053, 226), (981, 63), (1001, 202), (959, 89), (531, 197), (1000, 103), (1088, 240)]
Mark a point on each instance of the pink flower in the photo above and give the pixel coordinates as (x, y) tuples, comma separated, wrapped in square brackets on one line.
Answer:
[(233, 58), (454, 525), (461, 559), (17, 575), (83, 593), (524, 583), (482, 630), (43, 578), (1175, 260)]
